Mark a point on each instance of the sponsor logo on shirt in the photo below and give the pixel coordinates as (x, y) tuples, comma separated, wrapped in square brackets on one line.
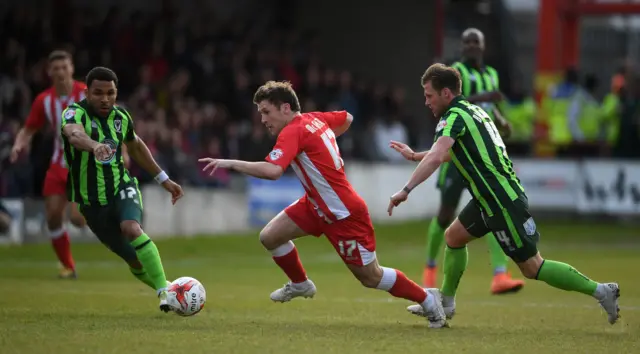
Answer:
[(441, 125), (275, 154)]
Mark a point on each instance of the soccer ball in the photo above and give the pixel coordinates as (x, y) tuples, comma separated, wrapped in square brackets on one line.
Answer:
[(189, 294)]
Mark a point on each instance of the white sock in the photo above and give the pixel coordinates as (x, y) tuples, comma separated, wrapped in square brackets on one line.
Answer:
[(53, 234), (283, 249), (429, 302), (601, 292), (389, 276)]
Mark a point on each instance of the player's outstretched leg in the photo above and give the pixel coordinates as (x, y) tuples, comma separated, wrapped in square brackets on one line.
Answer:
[(55, 208), (565, 277), (398, 285), (516, 231), (276, 237), (502, 282), (149, 257)]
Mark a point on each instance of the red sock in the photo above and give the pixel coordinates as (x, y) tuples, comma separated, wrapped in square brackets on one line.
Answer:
[(291, 266), (406, 288), (62, 246)]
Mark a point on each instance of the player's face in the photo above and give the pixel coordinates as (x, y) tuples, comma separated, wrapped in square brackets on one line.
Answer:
[(434, 100), (473, 46), (102, 96), (60, 70), (273, 117)]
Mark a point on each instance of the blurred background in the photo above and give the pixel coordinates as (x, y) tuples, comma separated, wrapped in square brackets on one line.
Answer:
[(188, 70)]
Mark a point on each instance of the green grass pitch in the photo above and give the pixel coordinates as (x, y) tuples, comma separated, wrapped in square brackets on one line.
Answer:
[(107, 311)]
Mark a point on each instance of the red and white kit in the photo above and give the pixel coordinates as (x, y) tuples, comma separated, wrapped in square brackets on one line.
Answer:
[(330, 206), (48, 107)]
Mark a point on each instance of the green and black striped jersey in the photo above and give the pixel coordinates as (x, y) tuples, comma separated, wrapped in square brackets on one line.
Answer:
[(91, 181), (480, 155), (475, 81)]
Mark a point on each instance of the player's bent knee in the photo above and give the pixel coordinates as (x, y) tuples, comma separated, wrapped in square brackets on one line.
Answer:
[(268, 238), (279, 231), (456, 236), (55, 220), (130, 229), (531, 266)]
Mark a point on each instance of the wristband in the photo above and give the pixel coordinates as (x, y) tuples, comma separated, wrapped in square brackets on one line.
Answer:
[(161, 177), (406, 189), (413, 156)]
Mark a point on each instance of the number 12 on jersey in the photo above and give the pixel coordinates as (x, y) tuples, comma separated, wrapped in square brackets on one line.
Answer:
[(329, 139)]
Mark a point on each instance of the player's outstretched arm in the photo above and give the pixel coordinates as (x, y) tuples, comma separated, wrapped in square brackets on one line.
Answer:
[(438, 154), (261, 169), (407, 152), (78, 138), (139, 152)]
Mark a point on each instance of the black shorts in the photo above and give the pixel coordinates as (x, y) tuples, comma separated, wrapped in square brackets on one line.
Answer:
[(513, 227), (451, 185), (105, 221)]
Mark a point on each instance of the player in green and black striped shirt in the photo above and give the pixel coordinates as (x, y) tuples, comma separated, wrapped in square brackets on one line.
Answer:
[(93, 132), (467, 136), (480, 85)]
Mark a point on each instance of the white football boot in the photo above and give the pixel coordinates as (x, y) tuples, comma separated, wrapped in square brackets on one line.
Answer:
[(168, 301), (448, 305), (164, 301), (290, 290), (610, 301), (435, 315)]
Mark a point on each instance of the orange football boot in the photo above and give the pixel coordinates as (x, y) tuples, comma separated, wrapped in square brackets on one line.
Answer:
[(503, 284)]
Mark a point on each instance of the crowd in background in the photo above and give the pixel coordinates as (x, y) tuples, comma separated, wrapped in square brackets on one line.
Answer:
[(188, 81)]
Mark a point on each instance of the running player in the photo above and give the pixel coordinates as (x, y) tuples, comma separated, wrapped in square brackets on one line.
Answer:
[(480, 84), (330, 206), (467, 136), (93, 133), (48, 107)]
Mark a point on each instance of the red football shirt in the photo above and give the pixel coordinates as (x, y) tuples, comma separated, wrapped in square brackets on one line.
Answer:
[(309, 146)]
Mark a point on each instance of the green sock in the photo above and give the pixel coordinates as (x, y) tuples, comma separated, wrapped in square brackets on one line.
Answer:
[(435, 239), (455, 262), (563, 276), (499, 259), (149, 257), (142, 276)]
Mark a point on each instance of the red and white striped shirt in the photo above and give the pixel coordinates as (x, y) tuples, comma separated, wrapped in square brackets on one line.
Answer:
[(309, 146), (48, 107)]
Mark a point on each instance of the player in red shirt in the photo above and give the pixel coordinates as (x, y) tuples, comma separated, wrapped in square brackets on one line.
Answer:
[(330, 206), (47, 108)]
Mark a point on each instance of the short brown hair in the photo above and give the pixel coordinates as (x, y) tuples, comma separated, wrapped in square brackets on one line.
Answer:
[(58, 55), (442, 76), (277, 93)]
